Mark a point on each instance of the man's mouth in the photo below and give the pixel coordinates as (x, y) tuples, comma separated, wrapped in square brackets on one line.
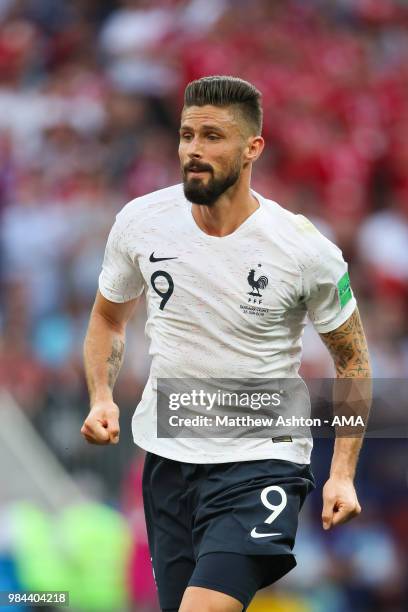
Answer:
[(197, 170)]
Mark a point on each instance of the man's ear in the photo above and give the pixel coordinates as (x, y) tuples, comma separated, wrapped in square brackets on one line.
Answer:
[(254, 148)]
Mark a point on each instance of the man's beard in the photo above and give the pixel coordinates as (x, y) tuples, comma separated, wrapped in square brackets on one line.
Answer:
[(206, 194)]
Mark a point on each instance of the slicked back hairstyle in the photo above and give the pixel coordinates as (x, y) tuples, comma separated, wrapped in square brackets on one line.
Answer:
[(227, 91)]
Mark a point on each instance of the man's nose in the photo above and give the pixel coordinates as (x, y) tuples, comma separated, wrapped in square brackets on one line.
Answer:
[(194, 149)]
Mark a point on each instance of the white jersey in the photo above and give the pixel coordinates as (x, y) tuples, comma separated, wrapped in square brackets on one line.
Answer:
[(223, 307)]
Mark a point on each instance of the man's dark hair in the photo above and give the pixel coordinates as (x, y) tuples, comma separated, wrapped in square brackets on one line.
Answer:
[(226, 91)]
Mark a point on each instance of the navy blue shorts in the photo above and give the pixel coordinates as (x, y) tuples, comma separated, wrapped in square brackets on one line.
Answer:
[(229, 527)]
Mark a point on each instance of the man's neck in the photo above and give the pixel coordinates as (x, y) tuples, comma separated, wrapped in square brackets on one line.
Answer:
[(228, 212)]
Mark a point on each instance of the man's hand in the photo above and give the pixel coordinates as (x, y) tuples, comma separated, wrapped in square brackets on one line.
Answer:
[(340, 503), (101, 426)]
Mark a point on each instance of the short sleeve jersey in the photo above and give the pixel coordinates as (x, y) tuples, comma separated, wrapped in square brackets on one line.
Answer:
[(223, 307)]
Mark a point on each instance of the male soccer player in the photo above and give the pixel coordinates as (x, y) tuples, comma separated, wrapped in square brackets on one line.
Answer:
[(229, 278)]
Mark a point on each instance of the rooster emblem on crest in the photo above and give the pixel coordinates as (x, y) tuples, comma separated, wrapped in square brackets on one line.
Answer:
[(256, 284)]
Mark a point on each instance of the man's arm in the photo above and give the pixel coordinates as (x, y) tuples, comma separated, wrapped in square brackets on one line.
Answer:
[(104, 348), (348, 348)]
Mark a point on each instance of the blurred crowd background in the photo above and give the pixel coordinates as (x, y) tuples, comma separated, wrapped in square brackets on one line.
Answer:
[(90, 98)]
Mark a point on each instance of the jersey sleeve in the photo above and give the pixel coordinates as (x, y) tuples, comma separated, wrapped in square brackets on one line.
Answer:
[(327, 291), (120, 279)]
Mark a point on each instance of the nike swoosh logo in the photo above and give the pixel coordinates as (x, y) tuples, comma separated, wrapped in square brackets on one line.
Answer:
[(153, 259), (255, 534)]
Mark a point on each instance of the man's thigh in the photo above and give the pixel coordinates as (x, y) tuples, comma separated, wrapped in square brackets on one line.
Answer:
[(168, 522), (245, 525), (205, 600), (250, 508), (227, 582), (236, 576), (233, 535)]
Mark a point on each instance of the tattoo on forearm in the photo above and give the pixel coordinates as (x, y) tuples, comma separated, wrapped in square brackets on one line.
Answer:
[(348, 347), (115, 361)]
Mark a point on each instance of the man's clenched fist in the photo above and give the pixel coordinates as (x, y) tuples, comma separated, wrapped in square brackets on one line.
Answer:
[(340, 503), (101, 426)]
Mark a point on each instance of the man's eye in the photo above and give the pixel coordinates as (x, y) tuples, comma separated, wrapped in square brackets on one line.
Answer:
[(186, 136)]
